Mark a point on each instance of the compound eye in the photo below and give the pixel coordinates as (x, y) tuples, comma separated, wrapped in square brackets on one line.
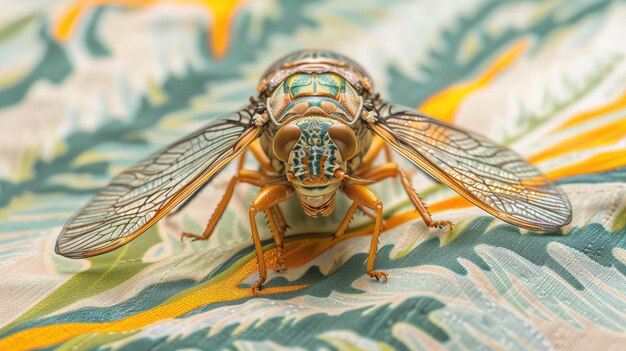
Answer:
[(344, 138), (284, 140)]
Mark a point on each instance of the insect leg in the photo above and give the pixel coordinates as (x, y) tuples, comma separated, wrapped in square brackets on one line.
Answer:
[(258, 153), (278, 239), (389, 170), (350, 214), (187, 201), (245, 176), (374, 150), (346, 220), (266, 198), (366, 212), (280, 219), (361, 195)]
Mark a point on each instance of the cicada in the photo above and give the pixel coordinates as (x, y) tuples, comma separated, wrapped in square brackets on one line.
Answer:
[(316, 129)]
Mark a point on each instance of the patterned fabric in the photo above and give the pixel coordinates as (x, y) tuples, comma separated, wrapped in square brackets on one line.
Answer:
[(87, 88)]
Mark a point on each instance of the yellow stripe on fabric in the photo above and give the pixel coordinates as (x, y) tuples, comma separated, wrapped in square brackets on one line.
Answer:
[(220, 13), (609, 134), (611, 107), (222, 290), (444, 104), (599, 163)]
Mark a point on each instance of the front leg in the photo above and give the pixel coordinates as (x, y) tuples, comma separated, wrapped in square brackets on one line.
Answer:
[(278, 231), (361, 195), (346, 220), (268, 197)]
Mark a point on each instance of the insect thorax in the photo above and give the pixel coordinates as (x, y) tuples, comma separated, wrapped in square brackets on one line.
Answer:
[(323, 94), (316, 94), (315, 61)]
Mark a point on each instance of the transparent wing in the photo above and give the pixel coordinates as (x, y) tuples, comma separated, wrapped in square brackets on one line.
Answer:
[(141, 195), (491, 176)]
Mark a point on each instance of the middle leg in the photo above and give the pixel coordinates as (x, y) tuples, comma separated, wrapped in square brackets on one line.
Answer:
[(255, 178), (348, 217), (389, 170)]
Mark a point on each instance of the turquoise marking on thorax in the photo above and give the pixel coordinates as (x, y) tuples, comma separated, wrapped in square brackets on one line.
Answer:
[(314, 84), (317, 94), (325, 106)]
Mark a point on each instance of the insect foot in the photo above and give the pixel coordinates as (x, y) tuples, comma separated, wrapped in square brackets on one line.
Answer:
[(379, 275), (257, 286), (441, 225), (280, 265), (193, 237)]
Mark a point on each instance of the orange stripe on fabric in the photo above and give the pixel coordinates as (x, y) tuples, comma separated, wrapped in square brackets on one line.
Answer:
[(221, 13), (604, 162), (450, 204), (611, 107), (605, 135), (64, 28), (222, 290), (444, 104)]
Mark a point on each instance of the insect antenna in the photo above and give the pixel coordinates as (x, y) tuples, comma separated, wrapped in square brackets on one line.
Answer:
[(352, 180)]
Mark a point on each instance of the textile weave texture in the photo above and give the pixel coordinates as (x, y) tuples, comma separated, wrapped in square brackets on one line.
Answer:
[(87, 88)]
